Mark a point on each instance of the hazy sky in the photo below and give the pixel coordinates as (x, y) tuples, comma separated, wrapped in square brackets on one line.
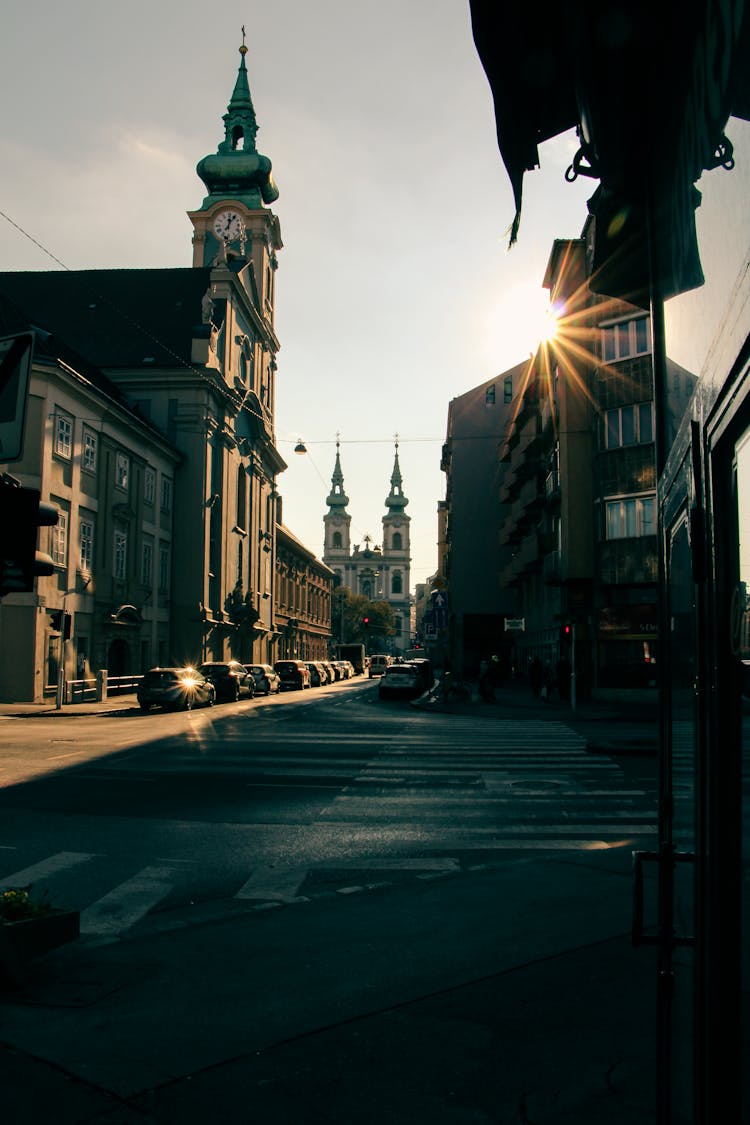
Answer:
[(395, 289)]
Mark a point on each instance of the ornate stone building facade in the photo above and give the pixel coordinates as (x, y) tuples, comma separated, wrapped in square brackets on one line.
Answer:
[(379, 572), (192, 353)]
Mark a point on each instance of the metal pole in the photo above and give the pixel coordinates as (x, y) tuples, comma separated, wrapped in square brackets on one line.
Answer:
[(60, 696), (573, 667)]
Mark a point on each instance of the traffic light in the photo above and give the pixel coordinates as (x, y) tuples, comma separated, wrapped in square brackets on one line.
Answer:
[(366, 622), (22, 513), (566, 633)]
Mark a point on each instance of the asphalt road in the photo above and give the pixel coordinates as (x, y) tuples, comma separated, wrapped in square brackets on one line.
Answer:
[(139, 820)]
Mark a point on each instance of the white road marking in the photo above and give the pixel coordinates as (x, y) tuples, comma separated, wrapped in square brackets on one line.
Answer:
[(279, 884), (61, 861), (126, 903)]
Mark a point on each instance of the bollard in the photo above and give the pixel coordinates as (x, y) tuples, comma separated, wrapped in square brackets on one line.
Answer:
[(101, 685)]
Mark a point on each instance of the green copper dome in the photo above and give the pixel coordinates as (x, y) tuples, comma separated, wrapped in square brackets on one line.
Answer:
[(237, 170)]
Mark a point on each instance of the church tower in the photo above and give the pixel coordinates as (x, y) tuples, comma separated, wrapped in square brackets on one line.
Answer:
[(337, 523), (233, 223), (396, 557)]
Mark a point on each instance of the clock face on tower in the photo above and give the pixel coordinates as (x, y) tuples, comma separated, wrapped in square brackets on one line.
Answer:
[(228, 226)]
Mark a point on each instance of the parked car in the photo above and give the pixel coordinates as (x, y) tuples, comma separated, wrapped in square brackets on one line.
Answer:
[(318, 673), (424, 667), (293, 674), (401, 680), (330, 672), (175, 689), (266, 679), (378, 663), (338, 670), (230, 678), (349, 669)]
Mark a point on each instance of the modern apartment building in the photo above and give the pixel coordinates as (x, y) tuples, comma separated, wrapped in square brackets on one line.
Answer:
[(580, 486), (472, 556)]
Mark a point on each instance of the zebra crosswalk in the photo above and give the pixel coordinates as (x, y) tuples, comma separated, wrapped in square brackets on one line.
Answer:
[(409, 800)]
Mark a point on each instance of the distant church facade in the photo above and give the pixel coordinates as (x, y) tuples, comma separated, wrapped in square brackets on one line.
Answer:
[(380, 571)]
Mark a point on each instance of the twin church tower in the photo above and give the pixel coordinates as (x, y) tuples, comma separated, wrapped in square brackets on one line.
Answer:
[(377, 572)]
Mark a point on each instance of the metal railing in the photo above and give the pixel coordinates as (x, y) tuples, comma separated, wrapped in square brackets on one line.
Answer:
[(100, 687)]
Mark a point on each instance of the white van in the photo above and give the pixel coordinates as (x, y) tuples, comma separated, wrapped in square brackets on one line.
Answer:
[(378, 663)]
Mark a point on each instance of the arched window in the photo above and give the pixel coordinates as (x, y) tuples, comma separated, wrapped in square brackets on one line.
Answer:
[(242, 498), (396, 583), (397, 542), (337, 539)]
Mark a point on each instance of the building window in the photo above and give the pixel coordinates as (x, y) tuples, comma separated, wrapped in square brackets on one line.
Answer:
[(59, 539), (489, 396), (86, 540), (508, 389), (630, 517), (89, 451), (64, 436), (147, 564), (396, 583), (337, 539), (163, 568), (241, 498), (626, 338), (629, 425), (149, 485), (122, 471), (166, 494), (397, 542), (120, 554)]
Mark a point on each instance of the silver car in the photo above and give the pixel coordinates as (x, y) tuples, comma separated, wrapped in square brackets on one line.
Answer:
[(267, 681)]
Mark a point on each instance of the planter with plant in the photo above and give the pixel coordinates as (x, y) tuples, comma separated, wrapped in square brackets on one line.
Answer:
[(29, 927)]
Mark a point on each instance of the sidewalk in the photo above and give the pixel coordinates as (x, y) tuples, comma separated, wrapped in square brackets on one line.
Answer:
[(508, 996), (112, 705)]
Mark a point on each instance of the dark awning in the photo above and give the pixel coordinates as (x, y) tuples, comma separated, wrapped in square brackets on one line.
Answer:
[(650, 87)]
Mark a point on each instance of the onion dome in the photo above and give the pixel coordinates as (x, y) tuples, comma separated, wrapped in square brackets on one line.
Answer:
[(237, 170)]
